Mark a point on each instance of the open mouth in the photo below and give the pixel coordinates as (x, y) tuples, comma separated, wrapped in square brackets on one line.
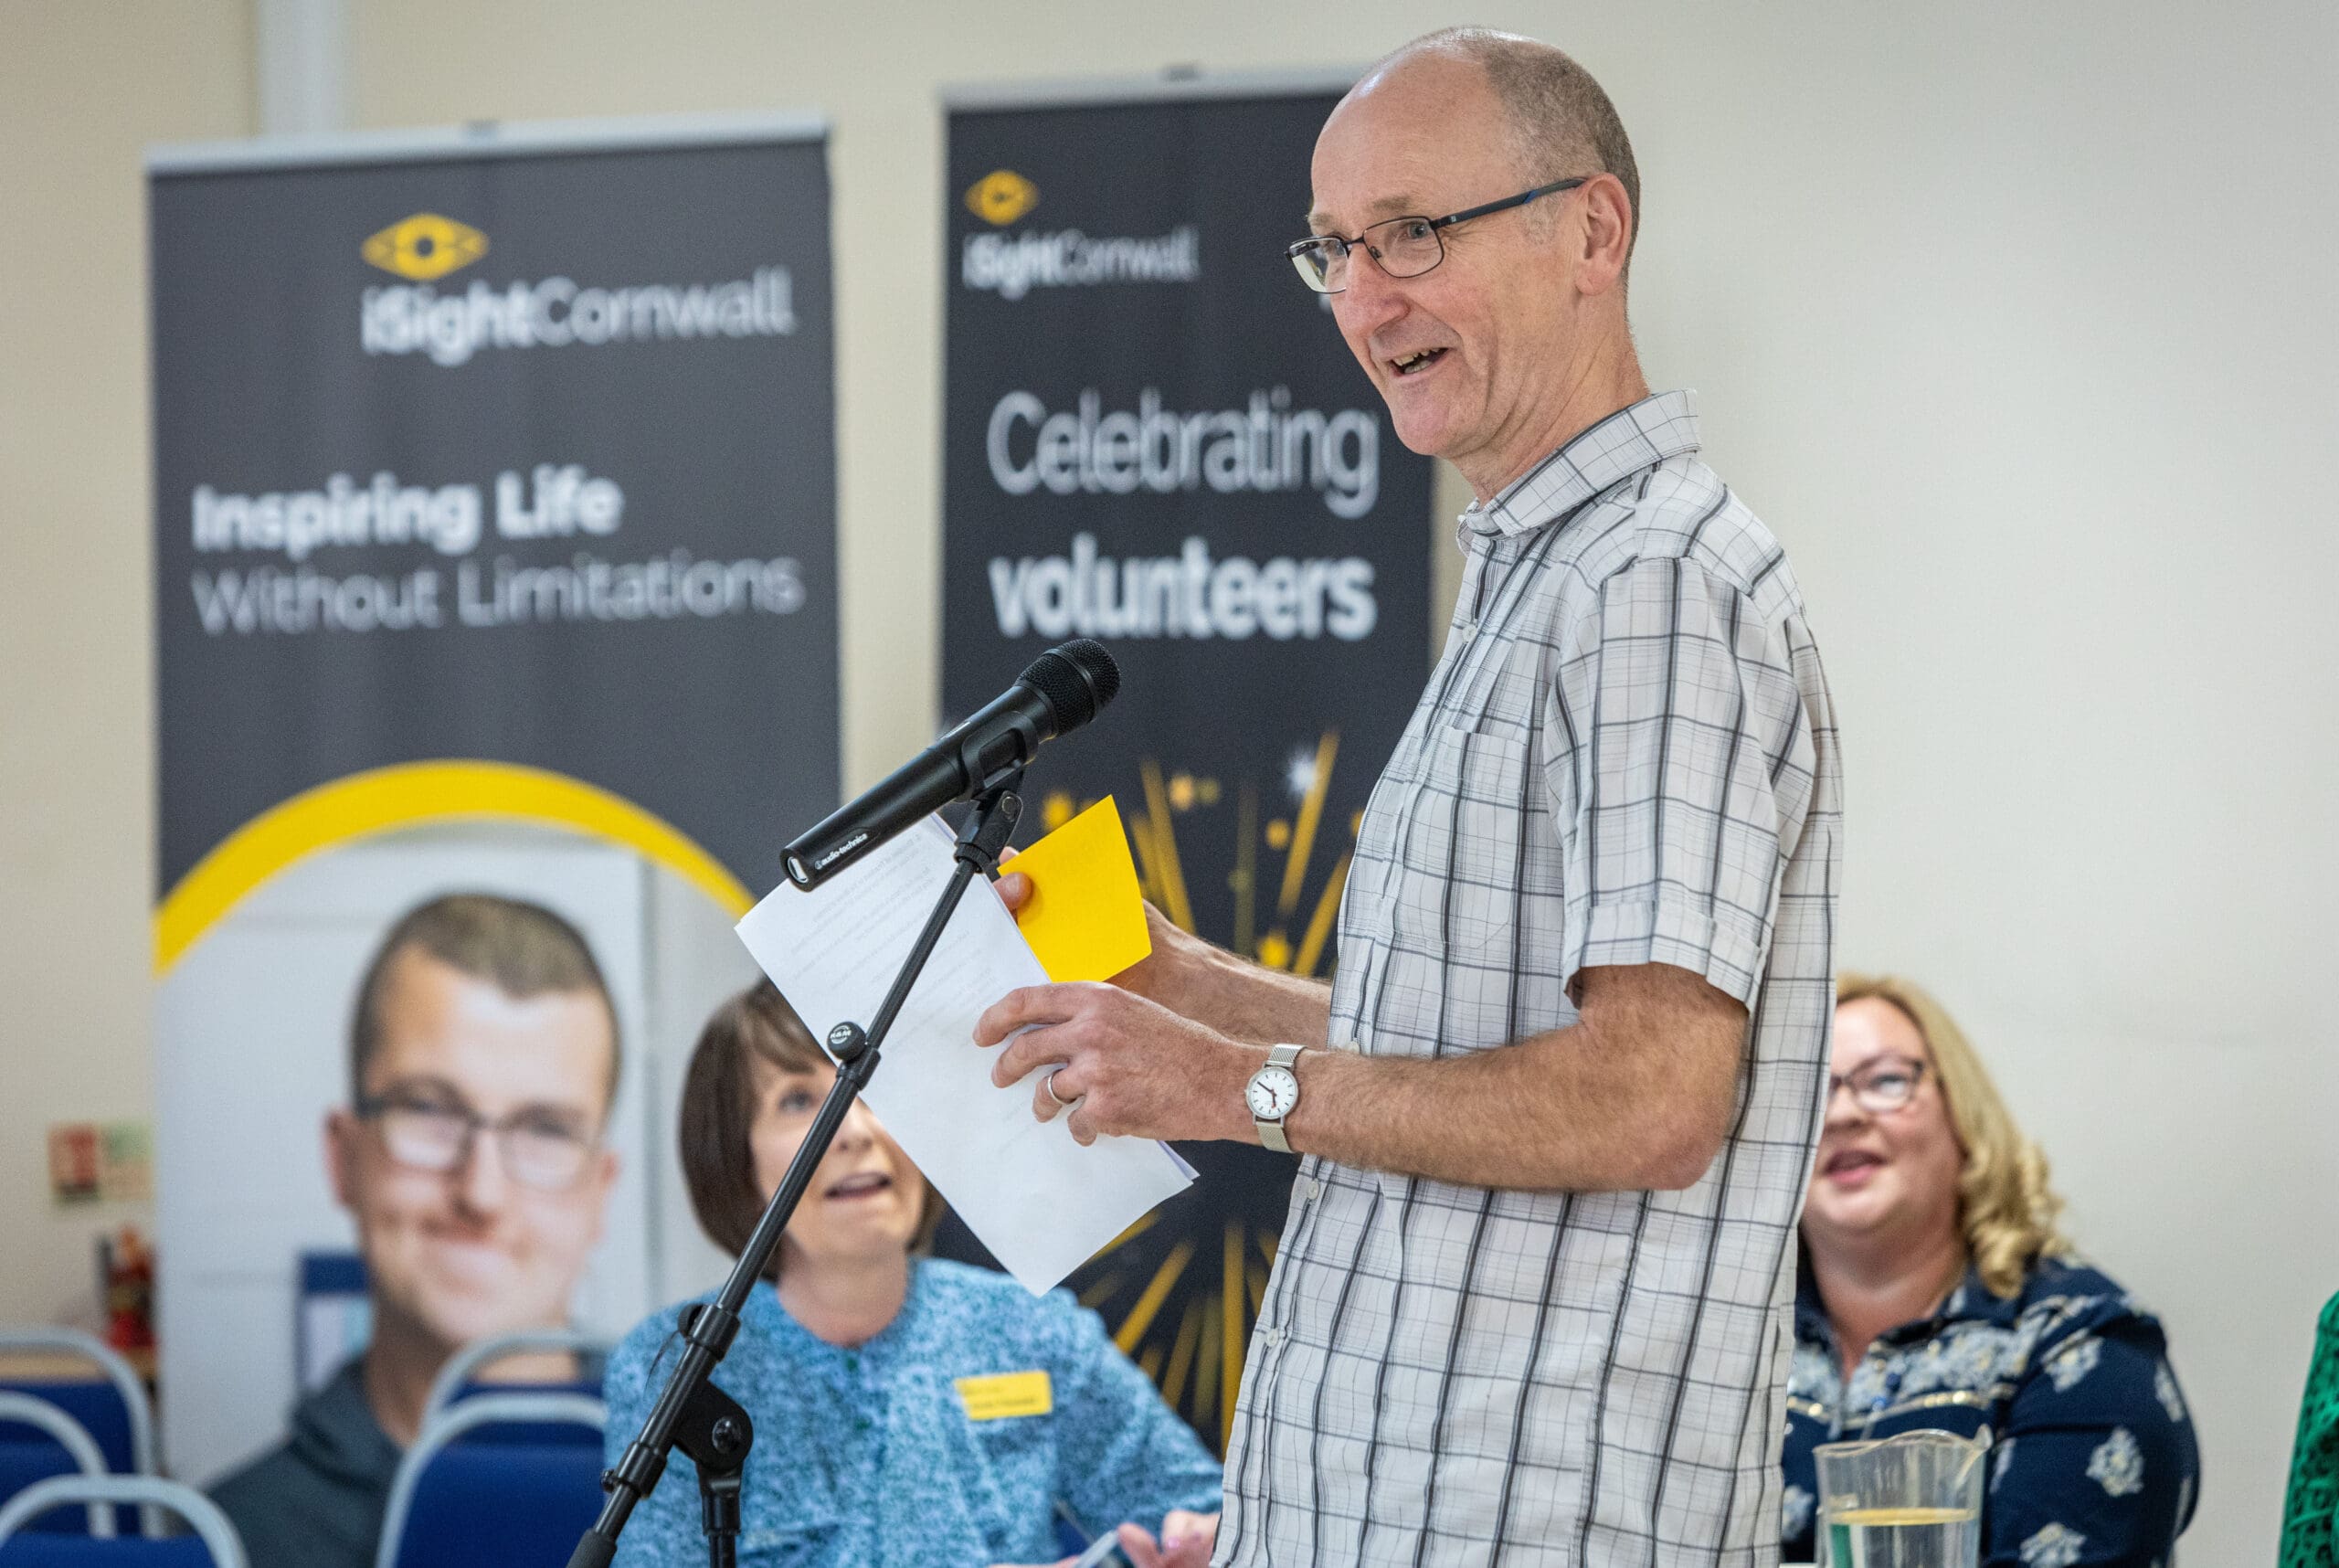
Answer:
[(860, 1186), (1415, 362), (1849, 1161)]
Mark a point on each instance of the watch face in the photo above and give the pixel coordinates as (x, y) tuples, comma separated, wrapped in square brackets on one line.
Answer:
[(1272, 1093)]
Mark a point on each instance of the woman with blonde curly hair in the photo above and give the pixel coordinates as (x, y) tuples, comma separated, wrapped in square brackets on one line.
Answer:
[(1937, 1292)]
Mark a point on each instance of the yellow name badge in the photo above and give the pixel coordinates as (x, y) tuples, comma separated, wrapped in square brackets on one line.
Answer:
[(1007, 1394)]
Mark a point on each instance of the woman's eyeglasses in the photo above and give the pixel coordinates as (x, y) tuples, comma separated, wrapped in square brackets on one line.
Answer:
[(1884, 1083)]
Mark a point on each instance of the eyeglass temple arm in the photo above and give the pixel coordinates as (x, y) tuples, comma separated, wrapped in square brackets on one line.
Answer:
[(1521, 199)]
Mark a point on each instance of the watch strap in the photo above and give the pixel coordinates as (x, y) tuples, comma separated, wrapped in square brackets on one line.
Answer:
[(1271, 1132)]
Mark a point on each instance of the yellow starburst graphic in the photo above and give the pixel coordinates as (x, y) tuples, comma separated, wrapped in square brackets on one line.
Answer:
[(1161, 872), (1002, 197), (424, 246)]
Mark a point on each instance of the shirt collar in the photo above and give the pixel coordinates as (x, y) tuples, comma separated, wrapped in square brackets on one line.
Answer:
[(1638, 435), (336, 1431)]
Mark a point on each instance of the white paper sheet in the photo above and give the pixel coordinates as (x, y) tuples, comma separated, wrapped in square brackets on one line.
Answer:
[(1040, 1202)]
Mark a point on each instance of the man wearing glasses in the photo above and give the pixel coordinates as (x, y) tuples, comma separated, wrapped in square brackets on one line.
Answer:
[(1557, 1103), (483, 1055)]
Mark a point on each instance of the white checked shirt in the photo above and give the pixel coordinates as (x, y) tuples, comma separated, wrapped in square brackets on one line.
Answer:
[(1626, 756)]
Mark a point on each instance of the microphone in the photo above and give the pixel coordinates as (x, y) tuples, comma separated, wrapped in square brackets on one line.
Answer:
[(1061, 690)]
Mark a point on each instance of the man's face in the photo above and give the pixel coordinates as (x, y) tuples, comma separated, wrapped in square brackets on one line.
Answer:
[(1426, 139), (474, 1249)]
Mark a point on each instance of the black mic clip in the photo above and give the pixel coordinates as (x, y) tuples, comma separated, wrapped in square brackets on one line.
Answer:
[(998, 757), (990, 824)]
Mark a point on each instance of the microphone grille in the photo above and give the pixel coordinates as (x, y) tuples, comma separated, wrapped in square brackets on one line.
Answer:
[(1075, 679)]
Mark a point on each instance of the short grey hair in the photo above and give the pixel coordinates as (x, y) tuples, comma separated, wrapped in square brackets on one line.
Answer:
[(1561, 122)]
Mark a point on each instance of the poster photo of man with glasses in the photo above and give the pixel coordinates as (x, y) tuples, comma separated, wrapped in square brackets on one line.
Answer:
[(483, 1057)]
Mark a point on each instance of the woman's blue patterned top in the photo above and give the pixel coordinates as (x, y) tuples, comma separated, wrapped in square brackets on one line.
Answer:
[(867, 1458), (2093, 1460)]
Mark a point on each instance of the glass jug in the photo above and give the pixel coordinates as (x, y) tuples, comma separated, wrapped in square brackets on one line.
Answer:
[(1913, 1500)]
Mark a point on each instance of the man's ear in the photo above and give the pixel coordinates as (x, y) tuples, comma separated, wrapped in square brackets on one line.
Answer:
[(1606, 230), (342, 1131)]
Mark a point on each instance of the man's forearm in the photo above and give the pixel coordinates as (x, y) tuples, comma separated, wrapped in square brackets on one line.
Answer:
[(1637, 1094), (1244, 1001), (1639, 1100)]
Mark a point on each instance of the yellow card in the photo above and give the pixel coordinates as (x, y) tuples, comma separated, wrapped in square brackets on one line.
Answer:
[(1087, 919), (1007, 1394)]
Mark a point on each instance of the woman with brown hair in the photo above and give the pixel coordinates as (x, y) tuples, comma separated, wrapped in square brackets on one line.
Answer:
[(1937, 1293), (909, 1412)]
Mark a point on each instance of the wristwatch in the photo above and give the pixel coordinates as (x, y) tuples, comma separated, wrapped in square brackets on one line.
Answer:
[(1273, 1094)]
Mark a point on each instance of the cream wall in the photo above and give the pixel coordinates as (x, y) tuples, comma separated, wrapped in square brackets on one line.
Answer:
[(2014, 320), (83, 88)]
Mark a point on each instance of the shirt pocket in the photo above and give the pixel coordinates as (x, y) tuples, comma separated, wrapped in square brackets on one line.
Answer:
[(1464, 841)]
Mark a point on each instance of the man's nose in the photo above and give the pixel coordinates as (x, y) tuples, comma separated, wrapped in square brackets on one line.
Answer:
[(1372, 298), (481, 1181)]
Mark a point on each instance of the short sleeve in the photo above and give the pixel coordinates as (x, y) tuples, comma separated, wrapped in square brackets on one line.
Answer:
[(1691, 763), (1124, 1455), (2098, 1466)]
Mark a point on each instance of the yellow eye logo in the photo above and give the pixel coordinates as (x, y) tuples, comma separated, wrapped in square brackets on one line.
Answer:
[(424, 246), (1002, 197)]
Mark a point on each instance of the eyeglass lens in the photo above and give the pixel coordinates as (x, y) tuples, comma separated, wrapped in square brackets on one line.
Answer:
[(1405, 248), (1883, 1086), (435, 1139)]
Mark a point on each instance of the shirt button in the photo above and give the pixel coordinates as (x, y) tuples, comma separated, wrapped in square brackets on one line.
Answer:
[(1315, 1188)]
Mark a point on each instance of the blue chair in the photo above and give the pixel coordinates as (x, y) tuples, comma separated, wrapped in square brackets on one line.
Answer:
[(38, 1442), (213, 1544), (459, 1381), (477, 1489), (110, 1406)]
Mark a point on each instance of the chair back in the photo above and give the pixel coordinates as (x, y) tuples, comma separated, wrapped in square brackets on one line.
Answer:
[(39, 1442), (110, 1406), (213, 1544), (458, 1379), (477, 1487)]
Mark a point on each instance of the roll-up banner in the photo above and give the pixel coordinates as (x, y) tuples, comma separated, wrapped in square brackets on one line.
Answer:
[(1155, 436), (496, 606)]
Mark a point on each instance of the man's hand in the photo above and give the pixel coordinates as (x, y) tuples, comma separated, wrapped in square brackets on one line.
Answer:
[(1186, 1541), (1135, 1068), (1234, 996), (1156, 974)]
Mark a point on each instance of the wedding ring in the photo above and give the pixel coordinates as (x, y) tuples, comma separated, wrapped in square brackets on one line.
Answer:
[(1049, 1084)]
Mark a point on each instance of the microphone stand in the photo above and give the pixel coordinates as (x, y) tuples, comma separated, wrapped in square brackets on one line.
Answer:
[(692, 1414)]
